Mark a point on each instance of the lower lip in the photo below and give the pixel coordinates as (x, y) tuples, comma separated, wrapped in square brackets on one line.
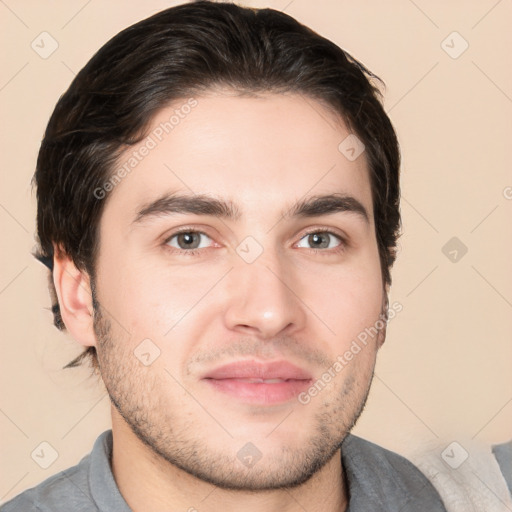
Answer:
[(260, 392)]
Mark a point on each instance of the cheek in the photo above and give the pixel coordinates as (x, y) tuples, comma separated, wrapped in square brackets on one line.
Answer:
[(348, 299), (159, 303), (136, 296)]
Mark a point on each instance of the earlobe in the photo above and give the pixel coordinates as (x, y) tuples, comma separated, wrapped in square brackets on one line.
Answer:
[(75, 299), (381, 337)]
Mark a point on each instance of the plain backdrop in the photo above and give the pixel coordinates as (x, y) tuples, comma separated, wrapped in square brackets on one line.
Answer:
[(444, 373)]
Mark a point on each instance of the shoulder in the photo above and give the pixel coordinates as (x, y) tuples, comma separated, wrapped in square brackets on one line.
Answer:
[(468, 474), (381, 477), (503, 454), (89, 486), (67, 490)]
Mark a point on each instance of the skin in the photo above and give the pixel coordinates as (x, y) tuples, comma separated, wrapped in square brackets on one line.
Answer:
[(176, 439)]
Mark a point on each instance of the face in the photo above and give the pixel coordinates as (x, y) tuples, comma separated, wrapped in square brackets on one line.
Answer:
[(255, 276)]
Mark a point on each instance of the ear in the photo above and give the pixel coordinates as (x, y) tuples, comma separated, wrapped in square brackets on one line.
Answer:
[(75, 298), (381, 338)]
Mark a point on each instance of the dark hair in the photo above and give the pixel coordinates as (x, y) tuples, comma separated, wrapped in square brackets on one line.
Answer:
[(179, 52)]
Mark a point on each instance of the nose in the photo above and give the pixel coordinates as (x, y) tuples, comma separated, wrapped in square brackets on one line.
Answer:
[(264, 299)]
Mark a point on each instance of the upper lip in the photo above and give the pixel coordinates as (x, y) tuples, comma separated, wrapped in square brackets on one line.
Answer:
[(256, 370)]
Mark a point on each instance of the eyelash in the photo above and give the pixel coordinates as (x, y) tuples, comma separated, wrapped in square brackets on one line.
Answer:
[(194, 252)]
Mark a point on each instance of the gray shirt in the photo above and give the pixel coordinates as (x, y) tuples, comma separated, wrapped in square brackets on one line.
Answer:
[(378, 480)]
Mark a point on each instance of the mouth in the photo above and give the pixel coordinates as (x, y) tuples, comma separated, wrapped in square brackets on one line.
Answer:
[(259, 383)]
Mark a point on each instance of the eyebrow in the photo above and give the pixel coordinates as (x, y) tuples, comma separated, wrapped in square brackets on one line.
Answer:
[(202, 204), (316, 206)]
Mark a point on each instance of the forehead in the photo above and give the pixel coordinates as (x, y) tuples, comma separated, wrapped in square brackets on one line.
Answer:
[(258, 151)]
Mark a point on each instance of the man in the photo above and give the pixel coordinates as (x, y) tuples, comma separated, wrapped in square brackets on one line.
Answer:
[(218, 203)]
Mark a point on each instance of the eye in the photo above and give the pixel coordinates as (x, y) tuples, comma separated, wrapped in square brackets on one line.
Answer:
[(187, 240), (322, 240)]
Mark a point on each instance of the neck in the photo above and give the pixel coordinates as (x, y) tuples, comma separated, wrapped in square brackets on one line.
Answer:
[(149, 483)]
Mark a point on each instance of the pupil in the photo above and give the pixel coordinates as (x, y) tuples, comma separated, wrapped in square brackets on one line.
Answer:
[(316, 239), (188, 238)]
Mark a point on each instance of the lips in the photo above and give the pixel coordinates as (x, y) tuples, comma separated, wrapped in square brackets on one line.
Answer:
[(259, 383), (282, 370)]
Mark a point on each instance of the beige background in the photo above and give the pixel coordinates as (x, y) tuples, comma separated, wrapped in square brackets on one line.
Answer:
[(444, 373)]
